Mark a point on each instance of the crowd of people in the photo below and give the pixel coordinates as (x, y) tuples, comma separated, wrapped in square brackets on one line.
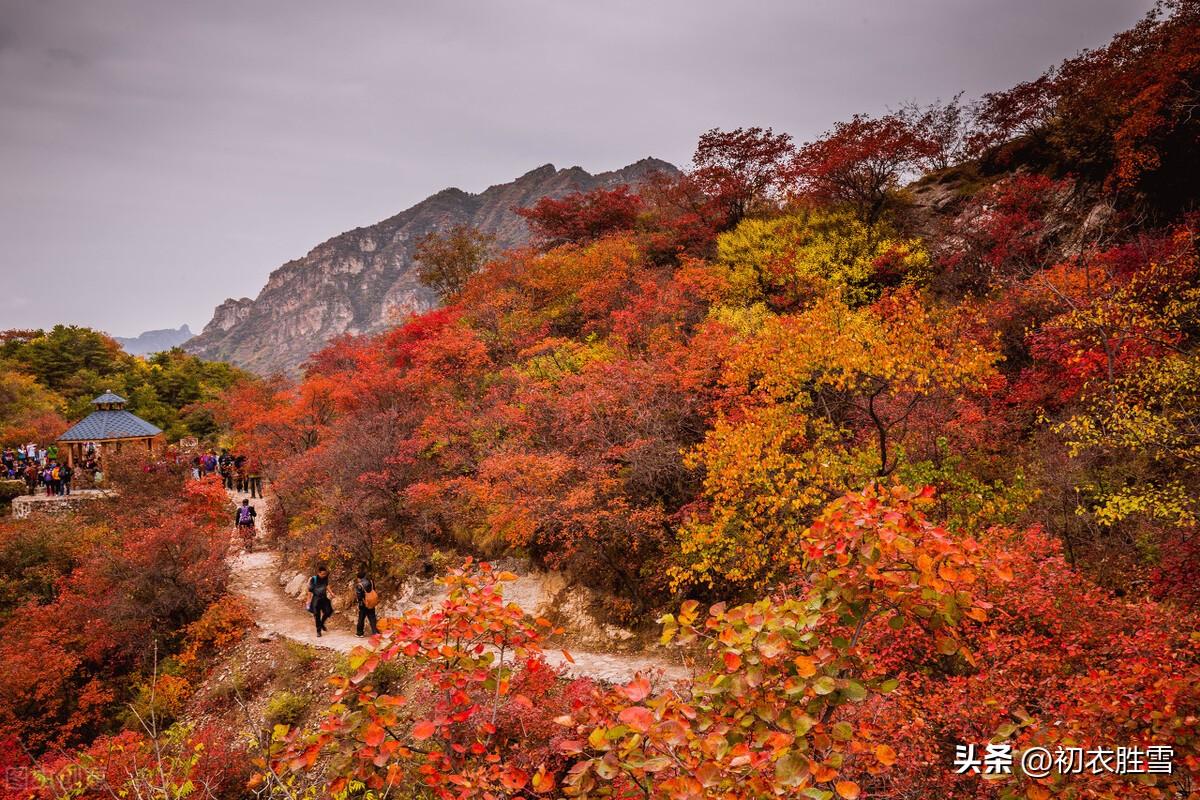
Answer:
[(239, 473), (42, 470)]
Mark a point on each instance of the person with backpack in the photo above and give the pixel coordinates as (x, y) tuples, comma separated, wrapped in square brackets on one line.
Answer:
[(64, 478), (320, 599), (244, 520), (368, 598)]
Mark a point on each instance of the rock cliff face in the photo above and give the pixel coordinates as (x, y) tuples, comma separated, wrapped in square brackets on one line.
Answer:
[(364, 280)]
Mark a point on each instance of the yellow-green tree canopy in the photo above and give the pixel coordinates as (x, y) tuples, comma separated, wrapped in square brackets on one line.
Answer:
[(789, 261)]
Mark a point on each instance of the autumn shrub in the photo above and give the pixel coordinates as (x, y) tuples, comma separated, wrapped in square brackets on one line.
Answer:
[(158, 702), (224, 623), (861, 162), (869, 556), (229, 689), (582, 217), (286, 708), (121, 606), (1119, 113), (1005, 232), (34, 554), (182, 761), (395, 561), (10, 489), (826, 400), (466, 657)]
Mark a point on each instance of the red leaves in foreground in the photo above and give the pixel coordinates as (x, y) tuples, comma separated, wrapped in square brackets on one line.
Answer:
[(898, 640)]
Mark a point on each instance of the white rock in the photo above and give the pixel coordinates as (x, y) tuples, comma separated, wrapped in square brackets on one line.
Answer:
[(618, 633), (296, 586)]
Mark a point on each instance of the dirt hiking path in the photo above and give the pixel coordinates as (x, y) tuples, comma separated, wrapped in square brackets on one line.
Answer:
[(255, 576)]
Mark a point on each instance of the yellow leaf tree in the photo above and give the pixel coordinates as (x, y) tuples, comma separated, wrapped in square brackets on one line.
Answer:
[(791, 260), (824, 398)]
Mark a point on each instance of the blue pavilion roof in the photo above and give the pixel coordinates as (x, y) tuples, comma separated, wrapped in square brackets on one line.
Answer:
[(108, 397), (109, 424)]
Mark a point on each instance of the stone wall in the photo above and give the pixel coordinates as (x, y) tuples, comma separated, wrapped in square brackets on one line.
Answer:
[(25, 505)]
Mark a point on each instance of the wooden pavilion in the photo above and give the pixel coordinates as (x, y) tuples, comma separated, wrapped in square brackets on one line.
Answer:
[(107, 429)]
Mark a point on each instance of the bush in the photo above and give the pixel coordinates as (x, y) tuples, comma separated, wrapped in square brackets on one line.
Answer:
[(158, 703), (239, 685), (387, 678), (10, 489), (125, 588), (229, 689), (223, 623), (396, 561), (286, 708), (298, 656)]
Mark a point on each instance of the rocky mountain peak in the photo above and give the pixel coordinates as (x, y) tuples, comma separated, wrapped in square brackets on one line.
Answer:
[(363, 281)]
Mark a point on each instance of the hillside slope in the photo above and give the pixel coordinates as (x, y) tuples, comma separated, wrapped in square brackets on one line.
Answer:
[(363, 281)]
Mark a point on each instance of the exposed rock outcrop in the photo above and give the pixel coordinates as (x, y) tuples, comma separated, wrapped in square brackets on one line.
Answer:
[(363, 281)]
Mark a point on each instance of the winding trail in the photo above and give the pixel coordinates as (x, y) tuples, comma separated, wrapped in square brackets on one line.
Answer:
[(255, 576)]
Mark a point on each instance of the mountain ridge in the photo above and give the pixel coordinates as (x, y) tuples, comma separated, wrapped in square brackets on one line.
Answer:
[(363, 280), (154, 341)]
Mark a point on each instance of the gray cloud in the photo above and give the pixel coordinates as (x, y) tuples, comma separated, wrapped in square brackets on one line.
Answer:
[(159, 157)]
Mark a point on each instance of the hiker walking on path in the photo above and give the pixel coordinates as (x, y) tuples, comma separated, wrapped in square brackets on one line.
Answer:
[(225, 467), (239, 474), (64, 476), (254, 477), (320, 599), (364, 592), (244, 521)]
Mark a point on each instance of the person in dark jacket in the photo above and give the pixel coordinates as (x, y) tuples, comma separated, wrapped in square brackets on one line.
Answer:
[(64, 476), (225, 467), (320, 599), (31, 477), (362, 587)]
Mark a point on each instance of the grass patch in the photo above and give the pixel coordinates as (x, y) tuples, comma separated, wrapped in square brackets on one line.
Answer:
[(299, 656)]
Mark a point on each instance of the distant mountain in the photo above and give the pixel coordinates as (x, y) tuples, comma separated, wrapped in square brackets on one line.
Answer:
[(363, 281), (155, 341)]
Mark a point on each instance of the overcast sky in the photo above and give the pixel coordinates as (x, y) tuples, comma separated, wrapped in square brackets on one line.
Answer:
[(157, 157)]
